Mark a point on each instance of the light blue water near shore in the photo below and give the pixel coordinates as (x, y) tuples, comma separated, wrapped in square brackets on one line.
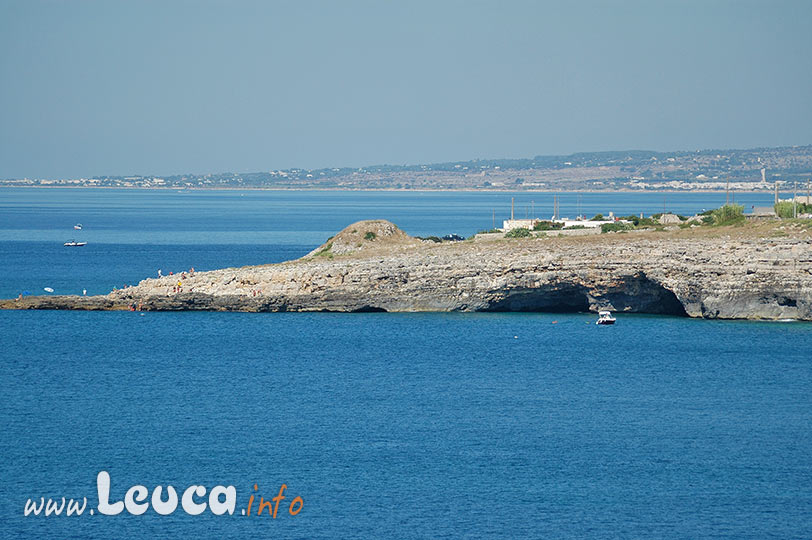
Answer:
[(387, 425)]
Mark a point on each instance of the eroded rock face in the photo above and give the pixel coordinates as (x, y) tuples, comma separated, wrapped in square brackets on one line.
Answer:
[(696, 274)]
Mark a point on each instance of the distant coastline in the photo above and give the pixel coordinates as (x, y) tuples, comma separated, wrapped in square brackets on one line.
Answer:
[(753, 170), (390, 190)]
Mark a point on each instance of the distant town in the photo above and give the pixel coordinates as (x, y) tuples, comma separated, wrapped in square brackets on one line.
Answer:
[(755, 169)]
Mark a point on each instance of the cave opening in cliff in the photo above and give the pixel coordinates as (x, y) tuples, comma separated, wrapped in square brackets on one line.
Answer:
[(559, 299), (641, 294), (369, 309), (634, 294)]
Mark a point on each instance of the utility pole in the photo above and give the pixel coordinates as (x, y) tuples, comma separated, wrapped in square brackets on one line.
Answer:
[(727, 192), (533, 211), (795, 200), (776, 192)]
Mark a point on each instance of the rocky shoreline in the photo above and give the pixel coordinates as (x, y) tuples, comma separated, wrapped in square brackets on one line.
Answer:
[(751, 272)]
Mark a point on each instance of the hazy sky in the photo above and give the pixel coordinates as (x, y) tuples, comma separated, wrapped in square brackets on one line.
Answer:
[(113, 87)]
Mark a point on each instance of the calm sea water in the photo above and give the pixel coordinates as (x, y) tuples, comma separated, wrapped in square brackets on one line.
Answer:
[(387, 425)]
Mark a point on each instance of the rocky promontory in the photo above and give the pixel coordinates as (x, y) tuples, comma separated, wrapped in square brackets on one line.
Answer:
[(755, 271)]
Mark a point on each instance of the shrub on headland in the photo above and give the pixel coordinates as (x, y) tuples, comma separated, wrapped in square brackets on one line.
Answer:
[(616, 227), (547, 226), (325, 252), (729, 214), (637, 221), (521, 232), (784, 209)]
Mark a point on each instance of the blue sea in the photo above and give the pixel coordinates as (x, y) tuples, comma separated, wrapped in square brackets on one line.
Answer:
[(530, 425)]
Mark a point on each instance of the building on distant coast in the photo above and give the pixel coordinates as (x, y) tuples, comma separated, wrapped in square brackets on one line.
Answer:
[(761, 212), (580, 222), (510, 224)]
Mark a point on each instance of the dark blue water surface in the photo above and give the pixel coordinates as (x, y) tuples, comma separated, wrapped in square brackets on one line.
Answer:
[(387, 425)]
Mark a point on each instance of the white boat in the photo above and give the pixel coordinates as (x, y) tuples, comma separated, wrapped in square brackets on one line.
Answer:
[(78, 226), (74, 243), (605, 317)]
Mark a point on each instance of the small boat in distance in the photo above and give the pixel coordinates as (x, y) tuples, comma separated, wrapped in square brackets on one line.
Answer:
[(605, 317), (74, 243), (78, 226)]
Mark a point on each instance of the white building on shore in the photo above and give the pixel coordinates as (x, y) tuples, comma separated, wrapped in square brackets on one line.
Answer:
[(510, 224)]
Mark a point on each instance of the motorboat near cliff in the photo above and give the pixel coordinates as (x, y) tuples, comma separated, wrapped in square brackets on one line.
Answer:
[(78, 226), (605, 317), (74, 243)]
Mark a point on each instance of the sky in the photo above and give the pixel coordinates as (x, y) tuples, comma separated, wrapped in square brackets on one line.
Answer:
[(166, 87)]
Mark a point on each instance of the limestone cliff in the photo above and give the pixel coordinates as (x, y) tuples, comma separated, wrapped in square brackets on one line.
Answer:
[(752, 272)]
